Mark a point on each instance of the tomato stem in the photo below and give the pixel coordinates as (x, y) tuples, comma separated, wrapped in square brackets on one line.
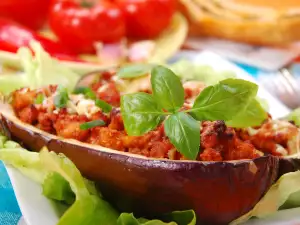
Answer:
[(87, 4)]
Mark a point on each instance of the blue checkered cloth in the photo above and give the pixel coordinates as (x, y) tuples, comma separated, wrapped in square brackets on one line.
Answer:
[(10, 212)]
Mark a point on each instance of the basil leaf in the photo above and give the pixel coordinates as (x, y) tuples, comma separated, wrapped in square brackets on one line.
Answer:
[(81, 90), (184, 133), (61, 98), (167, 88), (294, 116), (140, 113), (39, 99), (224, 100), (103, 105), (133, 71), (253, 115), (86, 91), (91, 124)]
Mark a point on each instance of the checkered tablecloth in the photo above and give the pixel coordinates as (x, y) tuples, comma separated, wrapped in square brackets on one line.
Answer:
[(9, 210)]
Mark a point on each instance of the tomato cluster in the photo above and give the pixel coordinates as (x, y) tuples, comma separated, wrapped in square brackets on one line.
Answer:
[(79, 24)]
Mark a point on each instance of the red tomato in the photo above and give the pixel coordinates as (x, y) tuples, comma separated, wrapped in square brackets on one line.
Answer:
[(30, 13), (79, 27), (147, 18)]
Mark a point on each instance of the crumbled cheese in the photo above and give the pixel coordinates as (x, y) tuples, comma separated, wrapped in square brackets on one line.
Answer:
[(86, 107), (76, 98), (293, 144), (71, 107), (281, 150), (252, 131), (24, 90)]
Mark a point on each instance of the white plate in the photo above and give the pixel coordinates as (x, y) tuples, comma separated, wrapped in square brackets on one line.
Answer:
[(37, 209)]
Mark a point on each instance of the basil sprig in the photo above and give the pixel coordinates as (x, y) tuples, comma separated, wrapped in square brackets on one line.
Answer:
[(140, 113), (134, 71), (224, 100), (39, 99), (143, 112), (91, 124), (61, 98), (167, 88)]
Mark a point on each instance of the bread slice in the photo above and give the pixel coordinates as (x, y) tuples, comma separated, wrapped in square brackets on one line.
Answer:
[(268, 22)]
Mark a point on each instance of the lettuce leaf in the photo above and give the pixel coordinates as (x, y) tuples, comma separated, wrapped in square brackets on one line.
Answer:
[(39, 70), (187, 217), (62, 181), (188, 70), (87, 209), (295, 116), (283, 193)]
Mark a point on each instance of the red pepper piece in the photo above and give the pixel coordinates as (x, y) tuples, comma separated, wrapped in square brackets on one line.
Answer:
[(13, 36)]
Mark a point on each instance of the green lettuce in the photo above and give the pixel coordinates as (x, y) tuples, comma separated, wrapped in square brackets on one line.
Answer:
[(188, 70), (295, 116), (187, 217), (39, 70), (61, 181), (283, 194)]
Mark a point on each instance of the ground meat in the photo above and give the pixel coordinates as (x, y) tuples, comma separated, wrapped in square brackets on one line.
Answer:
[(46, 121), (210, 154), (218, 142), (222, 142), (23, 98), (160, 149), (271, 134), (116, 120), (100, 116), (29, 114), (107, 138), (110, 94), (68, 126)]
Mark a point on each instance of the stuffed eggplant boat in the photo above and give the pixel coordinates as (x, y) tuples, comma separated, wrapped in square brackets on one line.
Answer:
[(164, 146)]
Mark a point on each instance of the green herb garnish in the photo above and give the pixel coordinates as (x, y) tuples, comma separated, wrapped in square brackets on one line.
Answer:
[(143, 112), (91, 124), (103, 105), (86, 91), (39, 99), (61, 98), (134, 71)]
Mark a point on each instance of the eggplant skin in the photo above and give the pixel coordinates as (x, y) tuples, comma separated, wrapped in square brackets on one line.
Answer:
[(288, 164), (219, 192)]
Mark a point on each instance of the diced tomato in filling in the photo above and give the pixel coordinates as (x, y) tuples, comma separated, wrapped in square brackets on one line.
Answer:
[(29, 114), (68, 126), (46, 121), (218, 142), (107, 138), (23, 98)]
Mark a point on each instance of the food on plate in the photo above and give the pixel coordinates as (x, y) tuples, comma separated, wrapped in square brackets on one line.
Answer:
[(255, 22), (158, 128), (145, 135), (30, 13)]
